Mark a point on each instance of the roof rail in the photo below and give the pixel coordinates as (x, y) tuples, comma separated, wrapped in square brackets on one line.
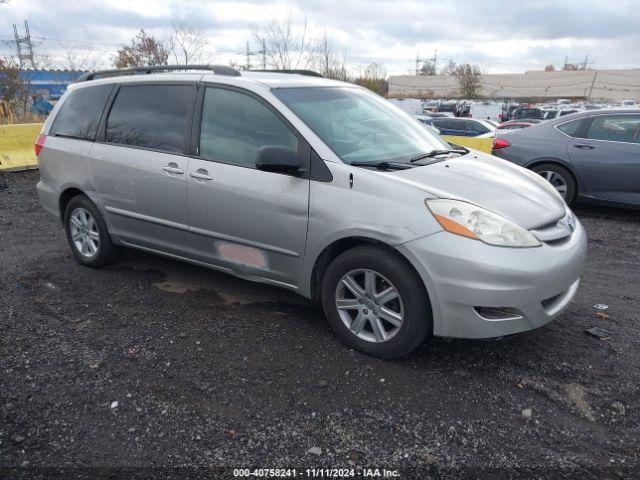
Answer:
[(309, 73), (217, 69)]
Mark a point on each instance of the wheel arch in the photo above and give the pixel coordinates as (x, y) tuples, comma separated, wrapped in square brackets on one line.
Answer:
[(560, 163), (64, 198), (341, 245)]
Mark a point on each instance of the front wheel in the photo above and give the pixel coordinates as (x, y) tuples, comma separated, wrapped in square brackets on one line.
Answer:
[(375, 302)]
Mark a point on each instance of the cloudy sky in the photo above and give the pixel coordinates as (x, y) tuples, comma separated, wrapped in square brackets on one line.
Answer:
[(500, 36)]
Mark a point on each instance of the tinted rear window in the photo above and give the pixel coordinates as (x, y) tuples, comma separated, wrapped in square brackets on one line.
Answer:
[(80, 113), (571, 128), (615, 128), (150, 116)]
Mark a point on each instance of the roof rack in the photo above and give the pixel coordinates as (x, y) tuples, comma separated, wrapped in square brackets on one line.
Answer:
[(217, 69), (309, 73)]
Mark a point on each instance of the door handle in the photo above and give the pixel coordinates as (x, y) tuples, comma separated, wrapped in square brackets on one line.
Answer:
[(201, 174), (172, 167), (584, 146)]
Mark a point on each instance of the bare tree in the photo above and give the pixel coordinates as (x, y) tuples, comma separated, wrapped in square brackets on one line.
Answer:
[(285, 48), (144, 50), (468, 77), (374, 78), (186, 43), (326, 60), (449, 68), (77, 59), (549, 68)]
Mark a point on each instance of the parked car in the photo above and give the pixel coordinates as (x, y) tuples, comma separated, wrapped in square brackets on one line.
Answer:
[(526, 112), (514, 125), (318, 186), (460, 126), (548, 114), (485, 110), (592, 156), (429, 106), (518, 124), (448, 108), (412, 106), (426, 123), (437, 115), (507, 110)]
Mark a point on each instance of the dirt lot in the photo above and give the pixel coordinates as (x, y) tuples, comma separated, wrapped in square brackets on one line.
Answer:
[(155, 363)]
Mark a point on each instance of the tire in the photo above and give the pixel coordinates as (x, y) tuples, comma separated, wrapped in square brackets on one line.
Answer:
[(87, 233), (555, 174), (368, 318)]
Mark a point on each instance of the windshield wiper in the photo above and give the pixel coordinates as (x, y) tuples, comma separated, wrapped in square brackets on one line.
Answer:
[(435, 153), (383, 165)]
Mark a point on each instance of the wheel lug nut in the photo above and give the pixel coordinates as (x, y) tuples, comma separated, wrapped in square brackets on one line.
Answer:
[(365, 311), (375, 312)]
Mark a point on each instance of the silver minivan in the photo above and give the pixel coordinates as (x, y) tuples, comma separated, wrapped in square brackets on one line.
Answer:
[(314, 185)]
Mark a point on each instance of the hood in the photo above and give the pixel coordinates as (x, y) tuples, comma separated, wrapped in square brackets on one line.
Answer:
[(491, 183)]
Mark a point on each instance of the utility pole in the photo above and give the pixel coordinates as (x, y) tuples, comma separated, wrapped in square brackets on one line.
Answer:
[(586, 62), (24, 47), (248, 54), (418, 62), (248, 57), (434, 61)]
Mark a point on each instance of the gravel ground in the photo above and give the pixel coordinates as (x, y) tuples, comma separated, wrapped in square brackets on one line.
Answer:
[(155, 363)]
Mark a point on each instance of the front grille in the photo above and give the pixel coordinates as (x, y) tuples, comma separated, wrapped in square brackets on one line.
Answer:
[(546, 226), (554, 232)]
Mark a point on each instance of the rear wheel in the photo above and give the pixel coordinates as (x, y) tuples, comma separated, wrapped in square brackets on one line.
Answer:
[(560, 178), (375, 302), (87, 233)]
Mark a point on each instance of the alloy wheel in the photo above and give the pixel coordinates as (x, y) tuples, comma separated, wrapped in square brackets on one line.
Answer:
[(369, 305), (84, 233), (557, 180)]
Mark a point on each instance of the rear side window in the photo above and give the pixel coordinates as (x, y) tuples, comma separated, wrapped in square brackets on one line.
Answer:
[(447, 125), (80, 113), (615, 128), (476, 127), (150, 116), (571, 128)]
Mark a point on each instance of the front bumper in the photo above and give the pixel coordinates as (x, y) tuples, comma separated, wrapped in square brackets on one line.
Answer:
[(461, 274)]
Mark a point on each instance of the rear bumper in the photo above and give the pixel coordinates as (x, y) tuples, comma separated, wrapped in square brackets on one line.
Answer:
[(461, 274), (48, 198)]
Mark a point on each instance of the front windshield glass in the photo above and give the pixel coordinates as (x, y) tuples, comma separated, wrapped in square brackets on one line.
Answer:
[(358, 125)]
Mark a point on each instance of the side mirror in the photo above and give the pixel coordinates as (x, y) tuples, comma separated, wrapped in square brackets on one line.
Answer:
[(273, 158)]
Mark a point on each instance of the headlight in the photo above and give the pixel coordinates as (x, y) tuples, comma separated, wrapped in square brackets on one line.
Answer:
[(468, 220)]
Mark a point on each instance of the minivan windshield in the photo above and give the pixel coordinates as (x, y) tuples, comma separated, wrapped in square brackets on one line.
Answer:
[(360, 126)]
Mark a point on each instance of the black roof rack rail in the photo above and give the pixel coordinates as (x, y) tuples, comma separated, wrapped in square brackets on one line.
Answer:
[(308, 73), (217, 69)]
